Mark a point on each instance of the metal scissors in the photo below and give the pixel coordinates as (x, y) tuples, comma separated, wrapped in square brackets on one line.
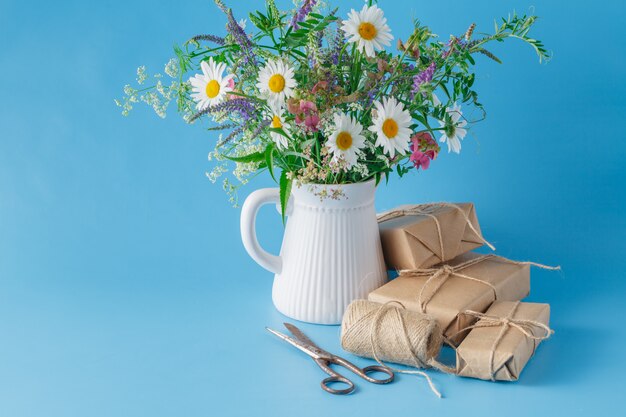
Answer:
[(325, 359)]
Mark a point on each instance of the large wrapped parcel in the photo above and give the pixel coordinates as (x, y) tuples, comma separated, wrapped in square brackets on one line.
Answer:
[(503, 340), (468, 282), (419, 236)]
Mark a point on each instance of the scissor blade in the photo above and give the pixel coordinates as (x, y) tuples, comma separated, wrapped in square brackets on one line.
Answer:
[(299, 335), (296, 343)]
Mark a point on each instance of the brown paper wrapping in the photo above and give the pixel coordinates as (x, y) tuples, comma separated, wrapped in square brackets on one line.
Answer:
[(512, 351), (511, 282), (413, 241)]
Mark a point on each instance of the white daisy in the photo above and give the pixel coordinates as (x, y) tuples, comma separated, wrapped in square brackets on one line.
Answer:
[(455, 131), (278, 122), (276, 81), (392, 126), (368, 29), (346, 139), (210, 87)]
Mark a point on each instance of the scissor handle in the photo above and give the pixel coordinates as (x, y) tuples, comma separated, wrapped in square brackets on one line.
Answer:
[(334, 380), (364, 372), (377, 368)]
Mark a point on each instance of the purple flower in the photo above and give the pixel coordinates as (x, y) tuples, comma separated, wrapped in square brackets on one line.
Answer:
[(455, 43), (239, 36), (302, 13), (243, 106), (314, 49), (336, 45), (210, 38), (371, 95), (423, 77)]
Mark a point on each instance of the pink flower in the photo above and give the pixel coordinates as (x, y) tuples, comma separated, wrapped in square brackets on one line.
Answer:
[(306, 114), (425, 141), (312, 121), (307, 106), (421, 159), (231, 84)]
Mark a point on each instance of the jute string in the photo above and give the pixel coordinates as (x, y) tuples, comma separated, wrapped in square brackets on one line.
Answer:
[(386, 332), (526, 327), (427, 210), (441, 274)]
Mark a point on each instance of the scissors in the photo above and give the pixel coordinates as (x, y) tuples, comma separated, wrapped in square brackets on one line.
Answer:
[(325, 359)]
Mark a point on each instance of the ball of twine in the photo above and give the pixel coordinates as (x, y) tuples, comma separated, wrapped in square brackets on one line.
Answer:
[(389, 332)]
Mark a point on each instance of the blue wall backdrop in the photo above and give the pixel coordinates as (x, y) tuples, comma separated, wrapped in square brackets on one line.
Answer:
[(125, 290)]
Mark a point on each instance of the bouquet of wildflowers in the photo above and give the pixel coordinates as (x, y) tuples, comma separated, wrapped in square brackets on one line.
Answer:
[(313, 97)]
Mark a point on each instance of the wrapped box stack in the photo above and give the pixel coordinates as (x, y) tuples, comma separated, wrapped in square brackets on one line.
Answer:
[(474, 298)]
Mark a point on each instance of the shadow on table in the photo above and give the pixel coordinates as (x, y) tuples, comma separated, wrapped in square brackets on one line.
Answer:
[(568, 356)]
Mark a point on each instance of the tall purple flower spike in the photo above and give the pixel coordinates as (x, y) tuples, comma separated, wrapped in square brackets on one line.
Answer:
[(239, 35), (302, 13), (243, 106)]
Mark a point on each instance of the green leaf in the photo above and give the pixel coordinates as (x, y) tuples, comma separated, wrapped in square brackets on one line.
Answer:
[(280, 131), (269, 160), (299, 53), (253, 157), (256, 21), (378, 177), (285, 192)]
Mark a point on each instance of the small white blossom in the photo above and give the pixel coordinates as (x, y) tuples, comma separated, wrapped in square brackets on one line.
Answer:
[(361, 169), (141, 74), (172, 68), (217, 172), (128, 90), (355, 107)]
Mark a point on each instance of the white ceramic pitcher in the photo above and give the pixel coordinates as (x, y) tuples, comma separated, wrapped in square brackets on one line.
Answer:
[(331, 251)]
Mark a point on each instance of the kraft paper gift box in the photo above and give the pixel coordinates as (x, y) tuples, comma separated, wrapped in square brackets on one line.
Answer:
[(503, 340), (419, 236), (469, 282)]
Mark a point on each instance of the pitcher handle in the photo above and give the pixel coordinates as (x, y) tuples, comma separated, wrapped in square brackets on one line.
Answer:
[(249, 211)]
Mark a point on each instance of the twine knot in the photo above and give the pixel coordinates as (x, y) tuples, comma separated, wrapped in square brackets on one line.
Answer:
[(526, 327), (447, 269), (427, 210)]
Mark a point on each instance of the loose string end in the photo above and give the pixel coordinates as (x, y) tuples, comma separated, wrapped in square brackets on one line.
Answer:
[(432, 386)]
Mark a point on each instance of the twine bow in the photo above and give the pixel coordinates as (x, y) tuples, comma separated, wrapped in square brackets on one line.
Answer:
[(526, 327), (427, 210), (441, 274)]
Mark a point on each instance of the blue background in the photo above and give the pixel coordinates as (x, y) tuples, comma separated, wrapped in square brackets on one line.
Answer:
[(125, 290)]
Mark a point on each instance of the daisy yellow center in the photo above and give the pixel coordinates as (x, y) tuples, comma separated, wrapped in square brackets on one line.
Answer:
[(344, 141), (276, 123), (390, 128), (212, 89), (276, 83), (367, 31)]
